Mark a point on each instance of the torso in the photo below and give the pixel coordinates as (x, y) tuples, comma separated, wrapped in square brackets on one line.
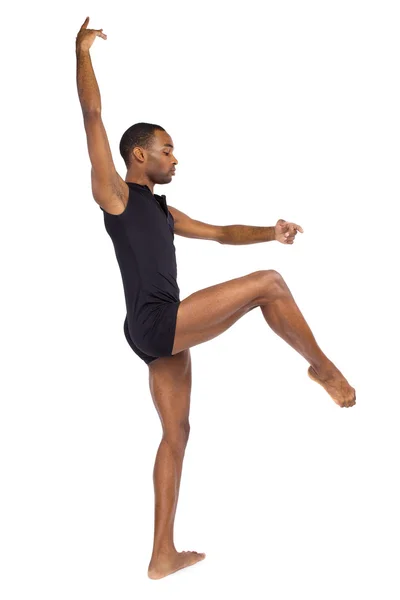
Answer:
[(142, 232)]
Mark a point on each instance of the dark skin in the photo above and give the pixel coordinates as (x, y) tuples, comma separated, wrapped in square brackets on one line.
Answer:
[(203, 315)]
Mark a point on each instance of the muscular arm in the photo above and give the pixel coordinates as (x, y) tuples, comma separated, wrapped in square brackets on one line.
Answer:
[(88, 90), (247, 234), (109, 189), (187, 227), (224, 234)]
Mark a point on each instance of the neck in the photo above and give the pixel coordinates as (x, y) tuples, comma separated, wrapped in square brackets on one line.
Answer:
[(139, 178)]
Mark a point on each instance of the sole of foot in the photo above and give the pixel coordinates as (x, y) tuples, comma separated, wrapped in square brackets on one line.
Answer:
[(173, 563), (337, 387)]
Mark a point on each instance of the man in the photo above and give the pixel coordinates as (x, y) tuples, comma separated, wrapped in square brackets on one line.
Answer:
[(159, 327)]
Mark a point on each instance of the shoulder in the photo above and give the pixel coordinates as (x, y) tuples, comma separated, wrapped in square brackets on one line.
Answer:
[(175, 213)]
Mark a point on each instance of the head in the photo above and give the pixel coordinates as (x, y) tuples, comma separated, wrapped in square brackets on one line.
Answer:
[(147, 150)]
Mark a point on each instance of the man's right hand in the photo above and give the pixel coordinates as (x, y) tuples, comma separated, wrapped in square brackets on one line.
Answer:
[(86, 37)]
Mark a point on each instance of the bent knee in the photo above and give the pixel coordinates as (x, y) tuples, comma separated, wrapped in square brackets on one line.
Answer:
[(269, 276), (271, 285)]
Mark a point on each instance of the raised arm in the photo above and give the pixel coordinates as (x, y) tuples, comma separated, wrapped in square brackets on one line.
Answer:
[(109, 189)]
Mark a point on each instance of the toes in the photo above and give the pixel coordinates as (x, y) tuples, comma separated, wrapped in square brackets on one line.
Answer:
[(347, 403)]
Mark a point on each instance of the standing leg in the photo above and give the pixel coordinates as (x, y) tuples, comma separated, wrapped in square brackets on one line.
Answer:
[(170, 381)]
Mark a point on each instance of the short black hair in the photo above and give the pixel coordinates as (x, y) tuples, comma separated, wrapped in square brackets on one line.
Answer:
[(140, 134)]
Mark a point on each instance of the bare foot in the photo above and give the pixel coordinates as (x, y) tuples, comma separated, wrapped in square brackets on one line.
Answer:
[(173, 562), (336, 385)]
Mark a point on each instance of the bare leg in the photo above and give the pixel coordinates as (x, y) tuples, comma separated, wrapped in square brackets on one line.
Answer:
[(170, 381), (284, 317), (211, 311), (207, 313)]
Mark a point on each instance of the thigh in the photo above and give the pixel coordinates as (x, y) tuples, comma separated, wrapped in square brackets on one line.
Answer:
[(170, 380), (209, 312)]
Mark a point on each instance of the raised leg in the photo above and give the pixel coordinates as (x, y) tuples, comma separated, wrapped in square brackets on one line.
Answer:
[(284, 317), (211, 311), (170, 380), (207, 313)]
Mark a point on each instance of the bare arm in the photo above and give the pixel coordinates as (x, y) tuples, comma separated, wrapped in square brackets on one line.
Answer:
[(187, 227), (283, 231), (109, 189), (247, 234), (224, 234), (88, 90)]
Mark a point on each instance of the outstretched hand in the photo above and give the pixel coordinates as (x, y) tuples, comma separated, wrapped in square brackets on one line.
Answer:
[(86, 37), (285, 231)]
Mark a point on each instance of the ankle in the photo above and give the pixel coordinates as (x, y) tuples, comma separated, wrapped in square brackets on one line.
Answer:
[(324, 367), (162, 550)]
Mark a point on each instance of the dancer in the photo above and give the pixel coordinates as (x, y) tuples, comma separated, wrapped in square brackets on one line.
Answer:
[(159, 327)]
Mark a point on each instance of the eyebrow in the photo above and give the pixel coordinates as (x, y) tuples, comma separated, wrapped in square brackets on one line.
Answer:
[(170, 145)]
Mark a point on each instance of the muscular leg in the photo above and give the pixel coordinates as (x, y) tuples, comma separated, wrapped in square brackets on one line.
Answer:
[(170, 380), (211, 311)]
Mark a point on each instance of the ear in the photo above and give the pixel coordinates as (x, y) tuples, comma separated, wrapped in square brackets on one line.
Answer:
[(138, 153)]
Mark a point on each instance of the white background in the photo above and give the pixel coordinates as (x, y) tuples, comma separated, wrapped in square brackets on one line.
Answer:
[(276, 110)]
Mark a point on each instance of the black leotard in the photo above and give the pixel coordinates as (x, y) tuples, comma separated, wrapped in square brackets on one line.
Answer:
[(143, 238)]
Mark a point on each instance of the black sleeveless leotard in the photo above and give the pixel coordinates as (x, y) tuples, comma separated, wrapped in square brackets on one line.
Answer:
[(143, 238)]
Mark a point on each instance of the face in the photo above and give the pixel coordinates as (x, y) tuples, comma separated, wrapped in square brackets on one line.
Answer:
[(160, 161)]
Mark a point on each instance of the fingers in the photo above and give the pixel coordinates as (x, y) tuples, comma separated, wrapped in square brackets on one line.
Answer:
[(295, 227), (291, 232), (290, 235), (287, 231), (98, 32)]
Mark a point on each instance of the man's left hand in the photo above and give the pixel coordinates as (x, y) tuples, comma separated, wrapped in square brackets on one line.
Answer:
[(285, 232)]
